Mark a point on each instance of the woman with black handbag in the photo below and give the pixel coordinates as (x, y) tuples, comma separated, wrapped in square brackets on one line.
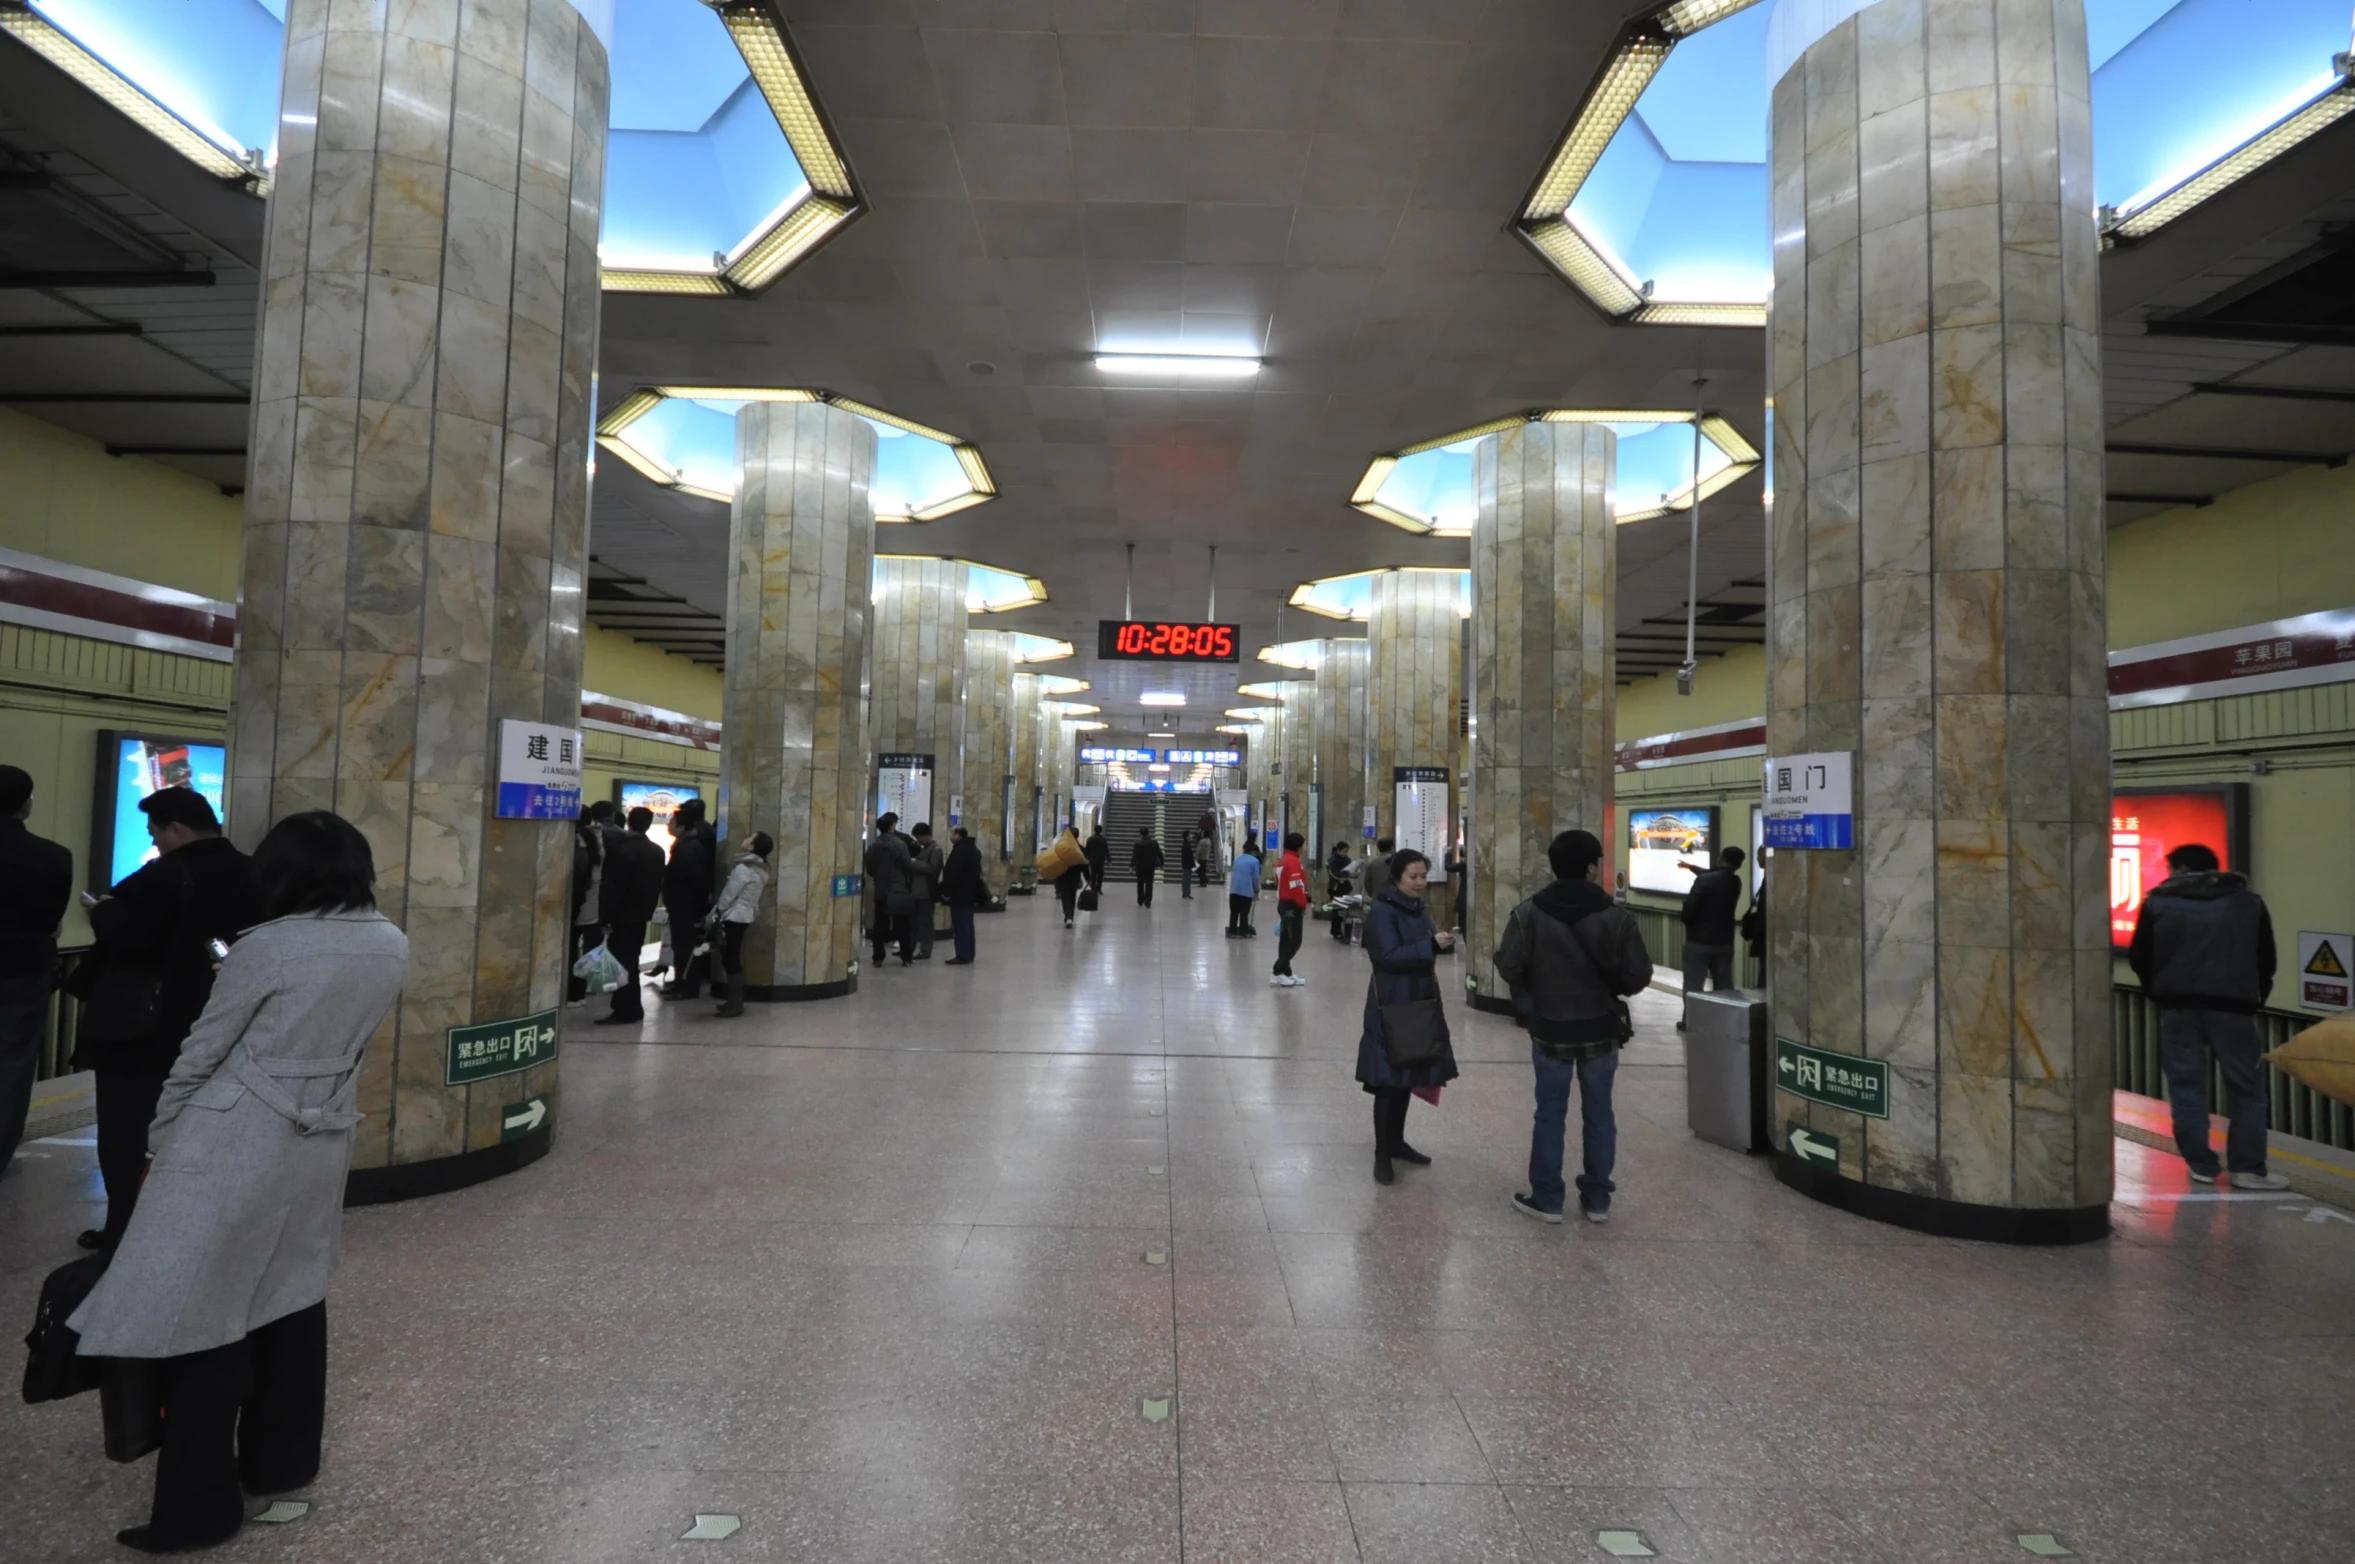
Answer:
[(1405, 1046)]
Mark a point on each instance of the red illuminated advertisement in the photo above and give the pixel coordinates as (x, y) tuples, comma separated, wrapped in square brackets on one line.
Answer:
[(2146, 827)]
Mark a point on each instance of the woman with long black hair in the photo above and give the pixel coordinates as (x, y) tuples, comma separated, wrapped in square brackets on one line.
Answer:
[(1404, 950), (223, 1271)]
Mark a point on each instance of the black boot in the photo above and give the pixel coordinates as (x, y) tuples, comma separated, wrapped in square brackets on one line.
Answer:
[(733, 1005)]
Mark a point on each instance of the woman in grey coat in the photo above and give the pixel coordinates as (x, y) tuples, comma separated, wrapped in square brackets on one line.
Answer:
[(223, 1271)]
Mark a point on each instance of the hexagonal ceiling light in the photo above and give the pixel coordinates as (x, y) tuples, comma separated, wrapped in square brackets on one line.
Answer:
[(720, 171), (684, 438), (1351, 596), (1030, 648), (1427, 487), (1654, 202), (1303, 655), (988, 589)]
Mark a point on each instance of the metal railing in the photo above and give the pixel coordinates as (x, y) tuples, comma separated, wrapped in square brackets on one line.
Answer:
[(59, 1028)]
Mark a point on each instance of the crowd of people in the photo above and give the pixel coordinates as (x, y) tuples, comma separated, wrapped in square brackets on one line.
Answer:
[(620, 876)]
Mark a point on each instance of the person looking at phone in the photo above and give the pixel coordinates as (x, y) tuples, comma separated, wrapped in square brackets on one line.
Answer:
[(148, 975), (40, 877)]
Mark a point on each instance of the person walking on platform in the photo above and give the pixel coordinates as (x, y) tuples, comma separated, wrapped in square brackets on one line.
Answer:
[(962, 888), (2203, 950), (738, 905), (633, 885), (1291, 909), (925, 861), (1242, 886), (148, 976), (687, 886), (1708, 916), (1338, 871), (1206, 860), (1144, 861), (588, 878), (1073, 876), (222, 1274), (1572, 956), (1099, 859), (1186, 851), (39, 875), (1404, 950)]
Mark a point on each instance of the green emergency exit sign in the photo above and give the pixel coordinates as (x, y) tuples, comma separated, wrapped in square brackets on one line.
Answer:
[(494, 1048), (1847, 1081)]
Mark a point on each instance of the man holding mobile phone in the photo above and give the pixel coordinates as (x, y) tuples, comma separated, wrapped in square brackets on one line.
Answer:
[(153, 971), (38, 874)]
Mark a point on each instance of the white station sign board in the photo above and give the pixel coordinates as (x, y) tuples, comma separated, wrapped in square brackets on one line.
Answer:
[(1811, 801)]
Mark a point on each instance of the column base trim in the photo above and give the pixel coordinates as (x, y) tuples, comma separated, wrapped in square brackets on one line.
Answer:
[(441, 1175), (787, 993), (1490, 1003), (1944, 1218)]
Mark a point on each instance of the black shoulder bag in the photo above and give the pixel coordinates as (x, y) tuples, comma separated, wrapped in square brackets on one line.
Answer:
[(1621, 1018)]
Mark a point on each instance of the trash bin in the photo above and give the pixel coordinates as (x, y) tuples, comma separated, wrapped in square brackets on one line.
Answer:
[(1725, 1078)]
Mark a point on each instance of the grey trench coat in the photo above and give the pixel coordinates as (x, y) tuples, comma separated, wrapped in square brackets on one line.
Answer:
[(241, 1218)]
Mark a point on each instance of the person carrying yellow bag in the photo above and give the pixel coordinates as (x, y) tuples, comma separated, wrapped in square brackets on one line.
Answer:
[(1066, 864)]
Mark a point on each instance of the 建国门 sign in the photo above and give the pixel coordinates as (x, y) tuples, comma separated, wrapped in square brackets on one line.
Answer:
[(1836, 1080), (1811, 801), (539, 771), (493, 1048)]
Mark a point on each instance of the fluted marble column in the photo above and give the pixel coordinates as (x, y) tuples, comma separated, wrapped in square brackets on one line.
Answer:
[(916, 673), (1299, 762), (416, 514), (1262, 754), (794, 760), (1342, 666), (1414, 681), (1033, 806), (1936, 575), (1545, 563), (992, 813)]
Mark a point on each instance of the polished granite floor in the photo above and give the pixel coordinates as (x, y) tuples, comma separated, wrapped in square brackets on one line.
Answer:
[(875, 1276)]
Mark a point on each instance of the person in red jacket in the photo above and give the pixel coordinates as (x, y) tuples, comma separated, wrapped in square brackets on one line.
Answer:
[(1291, 909)]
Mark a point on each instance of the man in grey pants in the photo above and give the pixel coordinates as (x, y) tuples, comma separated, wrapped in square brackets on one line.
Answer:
[(1709, 925), (2203, 948)]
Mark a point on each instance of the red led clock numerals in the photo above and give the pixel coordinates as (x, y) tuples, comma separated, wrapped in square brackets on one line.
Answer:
[(1176, 640)]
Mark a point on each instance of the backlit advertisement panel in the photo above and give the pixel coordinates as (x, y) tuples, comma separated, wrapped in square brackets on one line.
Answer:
[(664, 798), (2148, 824), (131, 766), (1666, 847)]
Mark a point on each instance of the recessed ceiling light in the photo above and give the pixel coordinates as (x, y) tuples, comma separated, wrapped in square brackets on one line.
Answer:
[(1155, 733), (981, 366), (1162, 698), (1221, 366)]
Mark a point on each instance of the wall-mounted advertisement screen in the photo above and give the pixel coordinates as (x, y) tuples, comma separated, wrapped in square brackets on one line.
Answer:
[(131, 766), (664, 798), (1667, 847), (2146, 824)]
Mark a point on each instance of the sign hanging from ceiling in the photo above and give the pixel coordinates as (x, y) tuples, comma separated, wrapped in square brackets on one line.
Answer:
[(1168, 641)]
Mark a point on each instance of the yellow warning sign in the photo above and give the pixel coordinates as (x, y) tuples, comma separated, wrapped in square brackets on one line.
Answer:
[(2325, 962)]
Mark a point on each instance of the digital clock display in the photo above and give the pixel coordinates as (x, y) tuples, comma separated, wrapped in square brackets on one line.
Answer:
[(1159, 640)]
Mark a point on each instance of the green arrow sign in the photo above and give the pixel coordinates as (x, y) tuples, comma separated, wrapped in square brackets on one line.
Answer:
[(495, 1048), (1814, 1146), (1847, 1081), (521, 1118)]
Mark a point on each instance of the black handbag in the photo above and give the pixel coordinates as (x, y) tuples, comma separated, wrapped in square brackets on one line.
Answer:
[(1413, 1033), (52, 1371), (1089, 901)]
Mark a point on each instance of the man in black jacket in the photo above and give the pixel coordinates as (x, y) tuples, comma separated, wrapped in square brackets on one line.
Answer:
[(961, 887), (39, 875), (1709, 909), (157, 928), (689, 884), (632, 887), (1572, 955), (2203, 948), (1099, 853), (1144, 861)]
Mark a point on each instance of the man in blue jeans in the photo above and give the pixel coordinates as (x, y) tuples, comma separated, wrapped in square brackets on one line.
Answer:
[(1571, 955)]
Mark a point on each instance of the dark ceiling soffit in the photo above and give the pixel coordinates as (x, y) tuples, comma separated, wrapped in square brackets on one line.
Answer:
[(2296, 333), (2282, 393), (128, 398), (111, 328), (237, 451), (2196, 501), (145, 277), (2228, 453)]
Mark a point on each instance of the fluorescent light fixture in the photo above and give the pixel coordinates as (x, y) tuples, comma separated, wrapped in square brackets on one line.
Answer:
[(1161, 698), (1238, 728), (1286, 654), (1545, 223), (1155, 733), (1087, 727), (1157, 766), (1273, 689), (1030, 648), (1251, 713), (1070, 708), (62, 50), (1201, 366), (2141, 221), (1057, 683)]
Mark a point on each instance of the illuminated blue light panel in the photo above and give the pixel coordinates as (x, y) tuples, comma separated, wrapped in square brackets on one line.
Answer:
[(214, 63), (696, 438), (1655, 461), (1350, 597), (1679, 197)]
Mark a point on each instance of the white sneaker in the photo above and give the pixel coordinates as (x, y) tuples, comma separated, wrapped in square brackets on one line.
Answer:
[(1279, 981), (1298, 981), (2259, 1181)]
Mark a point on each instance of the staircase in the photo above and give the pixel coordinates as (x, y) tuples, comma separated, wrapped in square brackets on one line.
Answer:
[(1126, 811)]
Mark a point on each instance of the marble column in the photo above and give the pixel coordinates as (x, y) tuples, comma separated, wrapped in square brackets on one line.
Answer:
[(794, 759), (1936, 570), (1414, 683), (992, 813), (1299, 762), (1545, 563), (1342, 665), (1263, 753), (416, 513), (1033, 806), (916, 673)]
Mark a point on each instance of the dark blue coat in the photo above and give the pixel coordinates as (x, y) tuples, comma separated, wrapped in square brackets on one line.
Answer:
[(1399, 943)]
